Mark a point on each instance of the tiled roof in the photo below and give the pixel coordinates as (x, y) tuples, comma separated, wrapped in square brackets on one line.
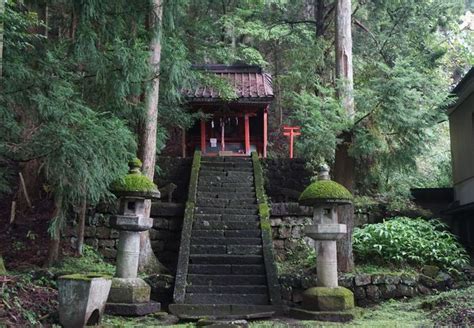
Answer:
[(251, 84)]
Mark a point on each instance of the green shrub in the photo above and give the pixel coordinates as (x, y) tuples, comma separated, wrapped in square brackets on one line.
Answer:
[(407, 240)]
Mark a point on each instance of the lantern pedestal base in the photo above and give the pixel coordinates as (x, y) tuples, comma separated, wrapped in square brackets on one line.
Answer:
[(328, 299), (132, 310)]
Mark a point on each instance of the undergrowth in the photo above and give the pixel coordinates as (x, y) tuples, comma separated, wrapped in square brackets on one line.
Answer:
[(91, 261), (403, 240)]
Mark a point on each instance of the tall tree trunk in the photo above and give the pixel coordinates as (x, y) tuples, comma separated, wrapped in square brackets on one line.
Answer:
[(2, 11), (344, 164), (147, 148), (54, 243), (81, 227)]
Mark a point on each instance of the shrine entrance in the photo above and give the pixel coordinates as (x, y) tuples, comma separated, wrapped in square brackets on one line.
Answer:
[(231, 128)]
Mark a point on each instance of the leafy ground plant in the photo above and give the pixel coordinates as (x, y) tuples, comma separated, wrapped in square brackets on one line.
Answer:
[(407, 240)]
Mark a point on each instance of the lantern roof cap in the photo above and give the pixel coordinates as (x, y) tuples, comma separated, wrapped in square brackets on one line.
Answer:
[(324, 191), (135, 184)]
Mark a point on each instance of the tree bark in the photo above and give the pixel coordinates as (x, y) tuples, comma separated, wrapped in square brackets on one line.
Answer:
[(54, 243), (2, 11), (147, 148), (81, 227), (344, 167)]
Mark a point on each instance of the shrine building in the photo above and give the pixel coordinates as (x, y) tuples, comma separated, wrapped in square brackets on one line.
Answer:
[(231, 127)]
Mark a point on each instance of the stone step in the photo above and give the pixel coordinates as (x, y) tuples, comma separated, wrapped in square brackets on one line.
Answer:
[(225, 259), (225, 189), (226, 269), (227, 217), (225, 175), (225, 225), (206, 163), (227, 195), (231, 203), (227, 168), (224, 210), (255, 299), (225, 311), (225, 280), (225, 241), (227, 159), (226, 179), (221, 172), (219, 233), (239, 289), (226, 249), (220, 184)]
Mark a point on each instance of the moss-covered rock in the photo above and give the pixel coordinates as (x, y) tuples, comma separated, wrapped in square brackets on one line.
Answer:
[(328, 299), (324, 191)]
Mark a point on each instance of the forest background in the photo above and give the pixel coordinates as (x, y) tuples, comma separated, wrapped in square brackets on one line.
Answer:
[(75, 77)]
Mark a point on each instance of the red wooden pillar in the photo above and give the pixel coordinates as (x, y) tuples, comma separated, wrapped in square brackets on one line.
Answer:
[(247, 134), (265, 131), (203, 136)]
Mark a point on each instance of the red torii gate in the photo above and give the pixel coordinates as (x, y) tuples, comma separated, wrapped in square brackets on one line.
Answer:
[(291, 131)]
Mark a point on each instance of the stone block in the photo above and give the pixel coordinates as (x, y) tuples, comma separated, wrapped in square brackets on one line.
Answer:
[(427, 281), (373, 292), (89, 231), (106, 243), (275, 222), (82, 299), (328, 299), (406, 291), (430, 270), (129, 290), (359, 293), (108, 253), (284, 232), (362, 279), (287, 293), (278, 244), (409, 280), (102, 232), (114, 233), (92, 242), (132, 310), (388, 291), (296, 232), (346, 281), (297, 296)]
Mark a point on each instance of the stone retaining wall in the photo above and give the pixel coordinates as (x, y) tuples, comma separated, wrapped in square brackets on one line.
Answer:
[(371, 288), (165, 234)]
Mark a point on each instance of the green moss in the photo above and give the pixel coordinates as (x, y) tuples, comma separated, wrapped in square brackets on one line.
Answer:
[(324, 190), (91, 261), (85, 276), (135, 163), (134, 182), (193, 179), (328, 299)]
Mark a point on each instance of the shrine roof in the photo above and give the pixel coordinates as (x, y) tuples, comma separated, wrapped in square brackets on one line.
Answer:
[(250, 83)]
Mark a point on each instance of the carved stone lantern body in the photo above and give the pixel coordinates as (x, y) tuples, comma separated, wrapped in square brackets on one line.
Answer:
[(129, 294), (325, 196)]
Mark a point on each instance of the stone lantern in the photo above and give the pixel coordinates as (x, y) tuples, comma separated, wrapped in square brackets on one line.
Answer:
[(130, 295), (327, 300)]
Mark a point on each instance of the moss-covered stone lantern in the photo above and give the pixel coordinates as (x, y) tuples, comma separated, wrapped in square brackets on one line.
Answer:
[(324, 301), (129, 294)]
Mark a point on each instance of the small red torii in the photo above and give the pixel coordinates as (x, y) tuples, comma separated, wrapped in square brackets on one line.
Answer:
[(291, 131)]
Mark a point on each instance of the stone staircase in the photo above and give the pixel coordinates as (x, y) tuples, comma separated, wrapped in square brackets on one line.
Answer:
[(226, 272)]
